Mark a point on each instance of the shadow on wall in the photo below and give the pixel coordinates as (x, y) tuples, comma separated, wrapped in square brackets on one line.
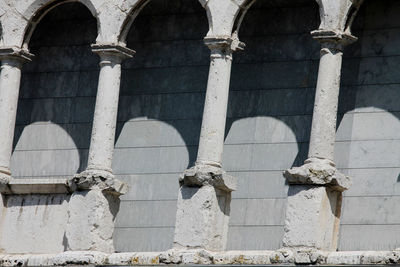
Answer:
[(57, 96), (368, 136)]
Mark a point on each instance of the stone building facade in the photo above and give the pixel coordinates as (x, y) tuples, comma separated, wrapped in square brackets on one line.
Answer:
[(210, 131)]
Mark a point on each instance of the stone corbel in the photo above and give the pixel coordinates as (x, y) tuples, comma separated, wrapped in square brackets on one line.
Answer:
[(95, 179), (119, 51), (201, 175), (318, 172), (333, 39), (15, 53)]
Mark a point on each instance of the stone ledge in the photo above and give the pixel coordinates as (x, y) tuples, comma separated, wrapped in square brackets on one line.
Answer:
[(185, 257), (35, 186)]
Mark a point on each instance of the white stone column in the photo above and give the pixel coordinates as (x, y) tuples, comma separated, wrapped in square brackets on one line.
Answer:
[(315, 191), (205, 193), (12, 59), (101, 149), (95, 201)]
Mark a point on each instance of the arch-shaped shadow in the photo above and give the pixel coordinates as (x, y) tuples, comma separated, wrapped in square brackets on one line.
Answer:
[(166, 81), (369, 110), (59, 86)]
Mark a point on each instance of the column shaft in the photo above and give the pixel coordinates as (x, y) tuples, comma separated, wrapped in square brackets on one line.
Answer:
[(105, 115), (315, 191), (205, 193), (323, 130), (212, 134), (10, 79)]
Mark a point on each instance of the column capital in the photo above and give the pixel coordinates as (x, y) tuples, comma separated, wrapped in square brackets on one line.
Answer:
[(113, 52), (103, 180), (333, 39), (224, 43), (200, 175), (317, 171), (15, 53)]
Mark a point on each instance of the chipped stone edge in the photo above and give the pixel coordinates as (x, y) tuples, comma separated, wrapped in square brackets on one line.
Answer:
[(282, 256)]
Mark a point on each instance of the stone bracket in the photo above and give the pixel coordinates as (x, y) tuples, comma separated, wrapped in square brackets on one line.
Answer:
[(337, 37), (224, 43), (318, 172), (15, 52), (102, 180), (200, 175), (121, 51)]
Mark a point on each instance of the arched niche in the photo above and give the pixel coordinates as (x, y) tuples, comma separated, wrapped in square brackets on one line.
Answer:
[(270, 109), (159, 119), (368, 138), (57, 88)]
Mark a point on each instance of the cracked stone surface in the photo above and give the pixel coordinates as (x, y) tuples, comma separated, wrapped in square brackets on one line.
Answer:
[(94, 179), (200, 175), (318, 172)]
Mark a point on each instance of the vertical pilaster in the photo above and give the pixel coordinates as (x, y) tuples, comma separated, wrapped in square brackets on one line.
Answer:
[(95, 202), (12, 59), (205, 189), (315, 189)]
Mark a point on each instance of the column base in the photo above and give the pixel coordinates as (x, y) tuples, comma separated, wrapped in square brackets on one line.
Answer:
[(203, 211), (98, 179), (314, 205), (318, 172)]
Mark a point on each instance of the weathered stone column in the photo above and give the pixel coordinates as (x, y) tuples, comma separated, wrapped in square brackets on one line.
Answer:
[(315, 191), (95, 202), (12, 59), (205, 189)]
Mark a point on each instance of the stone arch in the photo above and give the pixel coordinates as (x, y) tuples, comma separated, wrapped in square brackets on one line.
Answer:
[(129, 19), (37, 10)]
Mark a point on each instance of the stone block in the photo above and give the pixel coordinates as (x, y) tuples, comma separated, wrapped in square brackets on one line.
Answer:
[(266, 237), (23, 232), (312, 217), (134, 214), (131, 239), (369, 237), (91, 219), (151, 186), (257, 212), (259, 185), (202, 218)]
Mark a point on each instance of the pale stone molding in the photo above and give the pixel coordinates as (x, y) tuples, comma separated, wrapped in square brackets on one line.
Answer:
[(315, 188), (204, 257), (12, 59)]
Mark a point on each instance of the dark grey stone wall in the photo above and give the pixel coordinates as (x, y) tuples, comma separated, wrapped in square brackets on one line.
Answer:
[(368, 138), (269, 116), (57, 96)]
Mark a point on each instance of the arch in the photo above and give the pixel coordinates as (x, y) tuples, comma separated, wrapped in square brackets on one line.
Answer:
[(127, 23), (35, 12)]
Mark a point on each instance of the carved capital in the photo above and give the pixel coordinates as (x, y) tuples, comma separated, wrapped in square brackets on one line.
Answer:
[(200, 175), (318, 172), (112, 53), (333, 39), (97, 179), (223, 44), (15, 55)]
